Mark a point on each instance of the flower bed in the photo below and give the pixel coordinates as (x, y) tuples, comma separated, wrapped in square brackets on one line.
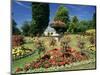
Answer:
[(20, 52), (56, 58), (57, 68)]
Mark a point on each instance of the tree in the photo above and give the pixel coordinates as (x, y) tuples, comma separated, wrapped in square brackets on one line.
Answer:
[(33, 28), (82, 27), (26, 28), (73, 25), (94, 20), (15, 30), (62, 14), (40, 14), (61, 19)]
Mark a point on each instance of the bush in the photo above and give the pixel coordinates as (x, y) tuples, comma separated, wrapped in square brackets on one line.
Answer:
[(91, 32), (27, 67), (39, 45), (65, 40), (81, 42), (17, 40), (18, 69), (91, 47), (53, 42), (92, 39)]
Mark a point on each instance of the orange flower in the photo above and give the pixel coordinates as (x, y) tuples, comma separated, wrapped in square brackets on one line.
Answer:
[(18, 69)]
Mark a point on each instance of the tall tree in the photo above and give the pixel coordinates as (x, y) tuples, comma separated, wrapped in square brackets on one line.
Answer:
[(94, 20), (62, 14), (15, 30), (61, 20), (40, 14), (26, 28), (83, 26), (33, 28), (73, 25)]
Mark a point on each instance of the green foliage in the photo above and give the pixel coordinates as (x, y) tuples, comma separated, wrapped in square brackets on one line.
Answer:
[(40, 47), (29, 28), (73, 25), (62, 15), (26, 28), (33, 28), (15, 30), (94, 20), (40, 14), (83, 26)]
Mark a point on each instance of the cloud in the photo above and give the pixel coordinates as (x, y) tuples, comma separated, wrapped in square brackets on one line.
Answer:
[(21, 4)]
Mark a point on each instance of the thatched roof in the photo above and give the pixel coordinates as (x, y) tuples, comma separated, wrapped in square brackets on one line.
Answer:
[(58, 24)]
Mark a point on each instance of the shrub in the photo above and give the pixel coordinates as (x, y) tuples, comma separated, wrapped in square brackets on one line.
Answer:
[(19, 69), (17, 40), (81, 42), (37, 65), (47, 65), (52, 42), (54, 53), (92, 39), (65, 40), (91, 47), (91, 32), (27, 67), (39, 45)]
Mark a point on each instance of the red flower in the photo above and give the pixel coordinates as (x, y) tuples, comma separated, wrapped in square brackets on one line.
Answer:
[(61, 63), (37, 65), (52, 61)]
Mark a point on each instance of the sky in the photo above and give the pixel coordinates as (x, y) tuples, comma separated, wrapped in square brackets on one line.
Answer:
[(22, 11)]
